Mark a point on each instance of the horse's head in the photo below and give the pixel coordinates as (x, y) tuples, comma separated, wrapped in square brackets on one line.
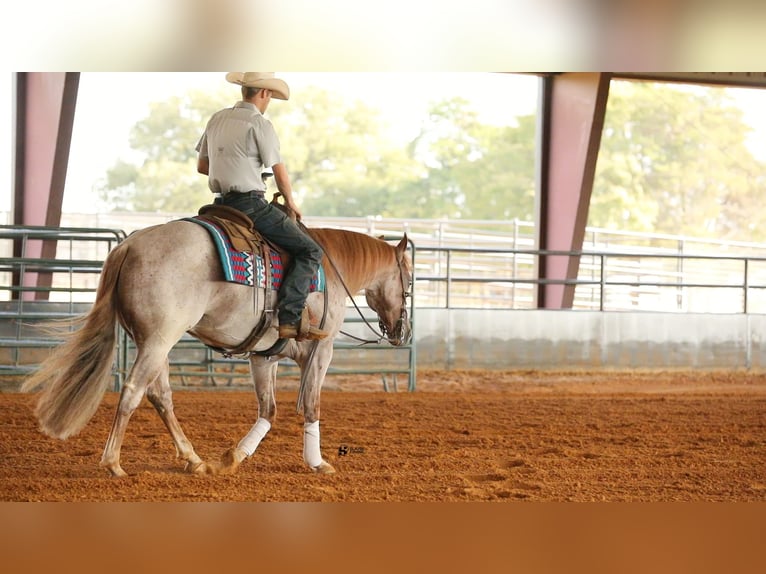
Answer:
[(388, 297)]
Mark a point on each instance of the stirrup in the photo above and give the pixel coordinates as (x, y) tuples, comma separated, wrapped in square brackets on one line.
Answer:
[(302, 330), (304, 325)]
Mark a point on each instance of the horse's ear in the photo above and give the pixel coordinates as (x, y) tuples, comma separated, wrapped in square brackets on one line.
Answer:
[(402, 247)]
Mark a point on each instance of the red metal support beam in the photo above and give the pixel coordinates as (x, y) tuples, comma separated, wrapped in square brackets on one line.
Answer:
[(571, 118), (45, 108)]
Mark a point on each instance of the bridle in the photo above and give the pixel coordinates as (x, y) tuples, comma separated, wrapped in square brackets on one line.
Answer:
[(398, 331), (398, 328), (384, 333)]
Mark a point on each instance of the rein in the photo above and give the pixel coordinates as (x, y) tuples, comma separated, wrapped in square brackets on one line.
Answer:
[(380, 335), (405, 288)]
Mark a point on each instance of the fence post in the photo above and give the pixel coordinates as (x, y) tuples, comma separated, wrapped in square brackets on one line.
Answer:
[(745, 285), (602, 281)]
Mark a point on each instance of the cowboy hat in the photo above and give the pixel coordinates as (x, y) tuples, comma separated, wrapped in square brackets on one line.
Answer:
[(260, 80)]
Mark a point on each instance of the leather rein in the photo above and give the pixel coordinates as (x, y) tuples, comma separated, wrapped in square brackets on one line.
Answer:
[(382, 334)]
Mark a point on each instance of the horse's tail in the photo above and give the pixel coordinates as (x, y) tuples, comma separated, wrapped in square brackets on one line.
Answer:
[(76, 375)]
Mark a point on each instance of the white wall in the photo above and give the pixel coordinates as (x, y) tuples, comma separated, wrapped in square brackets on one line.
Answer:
[(542, 339)]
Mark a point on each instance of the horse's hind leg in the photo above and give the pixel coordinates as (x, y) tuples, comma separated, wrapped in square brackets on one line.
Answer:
[(264, 374), (145, 370), (159, 394)]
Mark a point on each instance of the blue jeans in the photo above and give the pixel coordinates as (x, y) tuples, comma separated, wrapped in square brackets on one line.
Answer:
[(305, 253)]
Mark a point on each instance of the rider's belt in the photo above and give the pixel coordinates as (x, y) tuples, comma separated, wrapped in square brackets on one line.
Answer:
[(253, 193)]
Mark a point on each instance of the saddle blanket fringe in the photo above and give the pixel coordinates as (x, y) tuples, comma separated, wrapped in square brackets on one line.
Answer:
[(246, 268)]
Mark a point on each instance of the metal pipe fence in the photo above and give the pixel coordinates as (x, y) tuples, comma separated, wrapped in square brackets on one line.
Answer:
[(37, 290), (28, 306), (446, 276), (454, 277)]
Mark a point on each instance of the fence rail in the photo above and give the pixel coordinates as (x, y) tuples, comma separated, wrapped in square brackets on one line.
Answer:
[(47, 274), (26, 304), (446, 276), (454, 277)]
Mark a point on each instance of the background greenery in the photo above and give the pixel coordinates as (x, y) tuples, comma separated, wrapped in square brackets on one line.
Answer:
[(672, 160)]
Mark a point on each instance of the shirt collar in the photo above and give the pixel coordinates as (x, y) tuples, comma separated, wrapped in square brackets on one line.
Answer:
[(247, 105)]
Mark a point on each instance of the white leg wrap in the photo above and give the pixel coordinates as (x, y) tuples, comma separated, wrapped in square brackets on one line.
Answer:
[(311, 452), (255, 436)]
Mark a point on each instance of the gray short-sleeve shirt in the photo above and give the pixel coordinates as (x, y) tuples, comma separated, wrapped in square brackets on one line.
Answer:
[(238, 143)]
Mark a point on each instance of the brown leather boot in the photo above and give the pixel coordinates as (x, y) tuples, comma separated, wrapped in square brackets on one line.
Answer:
[(293, 332), (302, 330)]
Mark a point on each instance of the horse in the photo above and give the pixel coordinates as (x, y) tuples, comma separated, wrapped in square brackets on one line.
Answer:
[(166, 280)]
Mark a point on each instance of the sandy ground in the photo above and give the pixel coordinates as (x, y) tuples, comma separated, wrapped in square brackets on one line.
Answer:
[(462, 436)]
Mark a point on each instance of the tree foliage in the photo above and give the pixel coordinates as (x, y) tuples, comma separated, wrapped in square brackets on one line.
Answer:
[(671, 160), (675, 161), (341, 160), (164, 176)]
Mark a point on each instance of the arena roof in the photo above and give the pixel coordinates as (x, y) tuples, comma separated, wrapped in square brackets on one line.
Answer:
[(736, 79)]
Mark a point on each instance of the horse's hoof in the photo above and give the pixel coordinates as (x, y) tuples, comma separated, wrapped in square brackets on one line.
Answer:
[(117, 472), (230, 461), (114, 469), (199, 468), (324, 468)]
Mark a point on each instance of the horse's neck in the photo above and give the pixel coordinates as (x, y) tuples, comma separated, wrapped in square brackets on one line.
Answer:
[(359, 258)]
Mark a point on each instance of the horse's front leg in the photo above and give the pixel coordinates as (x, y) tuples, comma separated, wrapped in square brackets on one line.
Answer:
[(313, 372), (264, 375)]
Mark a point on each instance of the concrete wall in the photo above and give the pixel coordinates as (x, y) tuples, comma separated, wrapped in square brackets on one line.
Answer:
[(518, 339), (540, 339)]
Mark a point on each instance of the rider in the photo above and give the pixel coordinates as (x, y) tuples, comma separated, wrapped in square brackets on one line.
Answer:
[(238, 144)]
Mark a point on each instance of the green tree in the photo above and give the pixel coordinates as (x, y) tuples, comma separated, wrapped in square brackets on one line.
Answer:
[(675, 161), (446, 143), (501, 183), (671, 160), (472, 170), (339, 160), (163, 176)]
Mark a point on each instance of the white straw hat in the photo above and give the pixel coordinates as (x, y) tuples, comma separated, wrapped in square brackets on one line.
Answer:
[(260, 80)]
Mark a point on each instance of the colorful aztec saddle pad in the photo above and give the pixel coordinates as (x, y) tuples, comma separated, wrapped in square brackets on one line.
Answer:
[(246, 269)]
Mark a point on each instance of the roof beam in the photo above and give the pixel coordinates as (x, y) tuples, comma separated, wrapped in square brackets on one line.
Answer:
[(570, 121)]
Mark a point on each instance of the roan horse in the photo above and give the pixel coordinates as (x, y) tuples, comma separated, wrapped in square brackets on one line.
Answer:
[(166, 280)]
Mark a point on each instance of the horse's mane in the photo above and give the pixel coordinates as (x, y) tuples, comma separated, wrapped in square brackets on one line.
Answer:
[(358, 256)]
